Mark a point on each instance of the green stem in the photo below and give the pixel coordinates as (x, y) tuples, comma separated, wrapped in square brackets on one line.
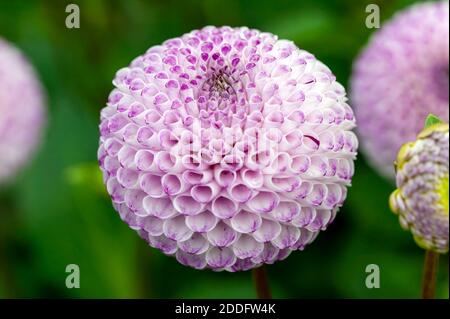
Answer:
[(261, 282), (8, 217), (429, 274)]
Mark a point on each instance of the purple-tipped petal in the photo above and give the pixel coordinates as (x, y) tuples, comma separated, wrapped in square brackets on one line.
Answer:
[(176, 229), (246, 222), (202, 223), (186, 205), (222, 235), (247, 247), (224, 208), (268, 231), (287, 238), (159, 207), (219, 258), (197, 244), (194, 261), (264, 202)]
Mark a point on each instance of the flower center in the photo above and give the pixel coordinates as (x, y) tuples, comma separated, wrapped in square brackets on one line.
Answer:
[(221, 100)]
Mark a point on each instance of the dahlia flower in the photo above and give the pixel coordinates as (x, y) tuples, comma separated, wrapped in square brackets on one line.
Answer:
[(399, 79), (21, 108), (421, 200), (227, 147)]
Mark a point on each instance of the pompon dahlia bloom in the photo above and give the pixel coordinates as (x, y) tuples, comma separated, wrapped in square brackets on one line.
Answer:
[(399, 79), (421, 200), (227, 147), (22, 111)]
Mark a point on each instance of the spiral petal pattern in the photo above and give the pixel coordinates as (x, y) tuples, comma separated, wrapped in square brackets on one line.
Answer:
[(227, 148)]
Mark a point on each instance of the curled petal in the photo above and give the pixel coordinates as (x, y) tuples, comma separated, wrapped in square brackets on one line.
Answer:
[(240, 192), (268, 231), (194, 261), (222, 235), (173, 185), (287, 238), (286, 211), (197, 244), (205, 193), (202, 223), (251, 178), (223, 207), (197, 177), (321, 221), (186, 205), (247, 247), (220, 257), (152, 185), (176, 229), (264, 202), (159, 207), (246, 222), (224, 177), (166, 245), (153, 225)]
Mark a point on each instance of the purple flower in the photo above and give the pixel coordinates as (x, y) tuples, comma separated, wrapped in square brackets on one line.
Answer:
[(227, 147), (22, 111), (421, 200), (399, 78)]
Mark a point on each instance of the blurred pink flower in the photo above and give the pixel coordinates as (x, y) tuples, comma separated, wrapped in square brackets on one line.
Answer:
[(399, 79), (227, 147), (22, 111)]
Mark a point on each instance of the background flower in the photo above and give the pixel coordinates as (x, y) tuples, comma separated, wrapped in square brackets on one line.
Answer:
[(421, 200), (227, 148), (22, 112), (400, 77)]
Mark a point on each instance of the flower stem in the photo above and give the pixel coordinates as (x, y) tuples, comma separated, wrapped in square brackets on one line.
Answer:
[(429, 274), (261, 282)]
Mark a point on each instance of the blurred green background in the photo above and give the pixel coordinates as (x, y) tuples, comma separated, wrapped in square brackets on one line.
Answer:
[(56, 213)]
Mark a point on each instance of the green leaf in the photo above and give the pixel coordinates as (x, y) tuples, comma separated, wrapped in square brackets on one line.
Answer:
[(87, 175), (432, 120)]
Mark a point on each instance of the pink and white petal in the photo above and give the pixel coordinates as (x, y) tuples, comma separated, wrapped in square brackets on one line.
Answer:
[(306, 216), (202, 223), (197, 244), (222, 235), (194, 261), (153, 225), (268, 256), (186, 205), (268, 231), (218, 258), (224, 207), (176, 229), (264, 202), (246, 222), (159, 207), (247, 247), (287, 238), (321, 221), (166, 245), (286, 211)]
